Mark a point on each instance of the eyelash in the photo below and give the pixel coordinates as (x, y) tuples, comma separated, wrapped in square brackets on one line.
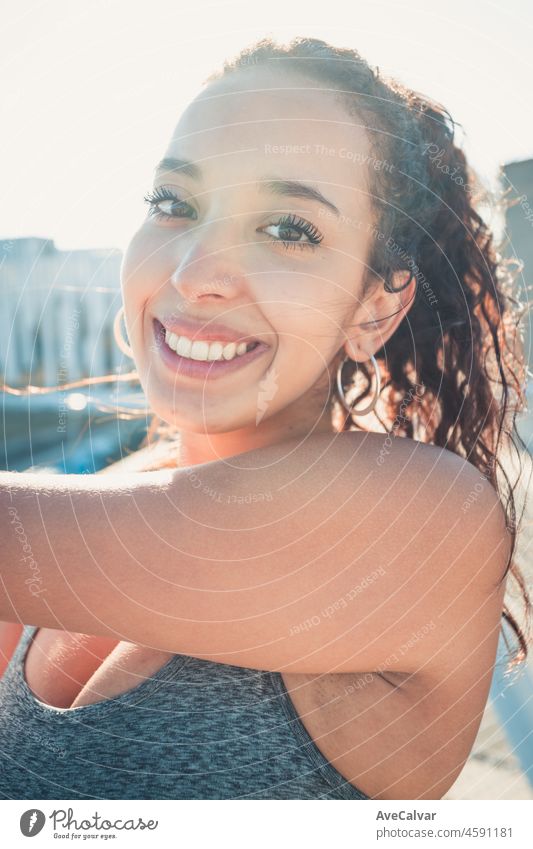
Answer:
[(161, 193), (157, 196)]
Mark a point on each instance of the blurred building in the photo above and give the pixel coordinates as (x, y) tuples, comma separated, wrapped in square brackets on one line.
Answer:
[(56, 322), (56, 326)]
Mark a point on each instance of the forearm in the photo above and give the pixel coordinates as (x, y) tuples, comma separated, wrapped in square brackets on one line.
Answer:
[(173, 559), (222, 559), (54, 529)]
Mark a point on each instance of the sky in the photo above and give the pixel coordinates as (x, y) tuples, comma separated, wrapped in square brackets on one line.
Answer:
[(93, 90)]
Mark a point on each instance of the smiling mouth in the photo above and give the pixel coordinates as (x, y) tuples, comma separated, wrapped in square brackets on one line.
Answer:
[(202, 358), (208, 350)]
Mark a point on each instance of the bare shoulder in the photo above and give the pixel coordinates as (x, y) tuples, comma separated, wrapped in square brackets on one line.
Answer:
[(434, 706), (453, 536), (429, 519), (417, 461), (464, 493)]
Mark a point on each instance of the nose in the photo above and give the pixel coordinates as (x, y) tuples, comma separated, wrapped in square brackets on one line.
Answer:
[(207, 272)]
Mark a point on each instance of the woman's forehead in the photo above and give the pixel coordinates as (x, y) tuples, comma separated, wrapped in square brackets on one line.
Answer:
[(298, 134), (262, 101)]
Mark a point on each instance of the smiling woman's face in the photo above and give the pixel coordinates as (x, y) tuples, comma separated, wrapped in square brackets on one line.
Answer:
[(233, 243)]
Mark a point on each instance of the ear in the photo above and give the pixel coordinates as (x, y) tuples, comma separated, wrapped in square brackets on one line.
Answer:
[(379, 314)]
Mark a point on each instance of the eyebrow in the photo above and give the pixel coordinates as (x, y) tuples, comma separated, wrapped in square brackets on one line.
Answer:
[(185, 166), (295, 189), (285, 188)]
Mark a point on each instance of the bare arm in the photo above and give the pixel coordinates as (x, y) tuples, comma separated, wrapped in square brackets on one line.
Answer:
[(10, 633), (299, 557)]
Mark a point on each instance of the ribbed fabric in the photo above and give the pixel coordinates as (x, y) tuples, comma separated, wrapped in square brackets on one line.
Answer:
[(194, 730)]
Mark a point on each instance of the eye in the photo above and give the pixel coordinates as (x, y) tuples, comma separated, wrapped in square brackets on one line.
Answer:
[(290, 226), (176, 208)]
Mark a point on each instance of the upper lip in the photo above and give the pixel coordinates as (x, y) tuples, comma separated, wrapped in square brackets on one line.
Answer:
[(207, 331)]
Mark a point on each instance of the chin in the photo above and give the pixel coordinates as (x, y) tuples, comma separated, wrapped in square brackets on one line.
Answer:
[(203, 421)]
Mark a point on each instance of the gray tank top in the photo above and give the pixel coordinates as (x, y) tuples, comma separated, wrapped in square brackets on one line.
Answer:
[(194, 730)]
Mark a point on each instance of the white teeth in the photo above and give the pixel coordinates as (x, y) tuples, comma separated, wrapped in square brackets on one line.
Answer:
[(203, 350), (229, 351), (183, 346), (199, 350), (215, 351)]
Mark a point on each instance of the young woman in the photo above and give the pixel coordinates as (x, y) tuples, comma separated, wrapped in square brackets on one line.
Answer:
[(289, 605)]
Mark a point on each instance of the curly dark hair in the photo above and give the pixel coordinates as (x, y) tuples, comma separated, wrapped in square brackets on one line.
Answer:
[(462, 338)]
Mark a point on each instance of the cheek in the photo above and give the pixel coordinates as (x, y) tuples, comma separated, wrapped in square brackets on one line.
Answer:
[(137, 260), (142, 276), (308, 340), (312, 319)]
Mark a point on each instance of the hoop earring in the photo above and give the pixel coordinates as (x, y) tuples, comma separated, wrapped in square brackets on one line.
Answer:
[(340, 390), (119, 339)]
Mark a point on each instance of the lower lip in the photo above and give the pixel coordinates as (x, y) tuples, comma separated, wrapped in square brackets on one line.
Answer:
[(209, 370)]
